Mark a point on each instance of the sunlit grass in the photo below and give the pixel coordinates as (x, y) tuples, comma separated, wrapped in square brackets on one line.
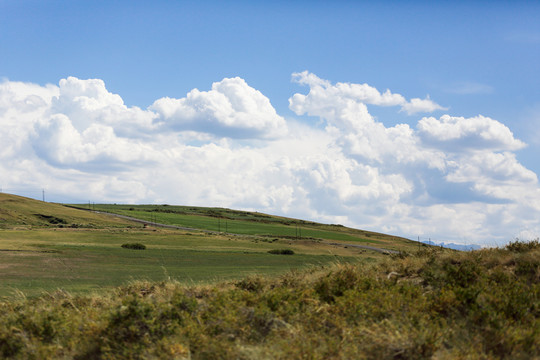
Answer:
[(250, 223)]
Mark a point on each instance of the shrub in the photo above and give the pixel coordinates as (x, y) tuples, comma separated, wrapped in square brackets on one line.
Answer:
[(523, 246), (454, 305), (134, 246), (336, 283), (281, 252), (252, 283), (10, 343), (51, 219)]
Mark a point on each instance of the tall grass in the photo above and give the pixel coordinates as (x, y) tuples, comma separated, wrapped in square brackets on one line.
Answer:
[(431, 304)]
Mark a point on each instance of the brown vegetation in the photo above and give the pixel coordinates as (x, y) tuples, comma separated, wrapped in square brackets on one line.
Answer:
[(478, 305)]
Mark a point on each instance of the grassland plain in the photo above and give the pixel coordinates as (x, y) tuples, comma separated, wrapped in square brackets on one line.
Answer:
[(428, 304), (44, 247)]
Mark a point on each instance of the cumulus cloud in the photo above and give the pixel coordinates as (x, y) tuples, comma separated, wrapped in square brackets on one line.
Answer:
[(458, 133), (498, 175), (87, 102), (450, 177), (356, 131), (232, 108), (323, 93), (23, 97), (417, 105), (57, 141), (447, 164), (76, 125), (20, 105), (360, 92)]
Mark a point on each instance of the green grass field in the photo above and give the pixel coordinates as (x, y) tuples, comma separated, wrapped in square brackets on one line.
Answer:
[(82, 260), (249, 223), (83, 268), (45, 247)]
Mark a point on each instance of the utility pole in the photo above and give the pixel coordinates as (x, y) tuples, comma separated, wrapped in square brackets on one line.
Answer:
[(43, 193)]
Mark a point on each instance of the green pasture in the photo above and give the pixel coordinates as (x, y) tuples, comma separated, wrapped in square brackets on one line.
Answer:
[(249, 223), (81, 261), (45, 247)]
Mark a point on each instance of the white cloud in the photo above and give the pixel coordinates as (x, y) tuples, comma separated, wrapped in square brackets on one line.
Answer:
[(232, 109), (323, 94), (357, 132), (496, 176), (417, 105), (20, 105), (459, 133), (60, 143), (87, 102), (450, 178), (359, 92), (502, 167), (24, 97), (450, 164)]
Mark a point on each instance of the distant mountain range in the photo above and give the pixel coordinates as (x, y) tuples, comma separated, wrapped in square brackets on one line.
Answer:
[(454, 246)]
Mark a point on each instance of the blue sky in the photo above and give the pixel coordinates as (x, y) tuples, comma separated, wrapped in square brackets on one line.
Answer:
[(474, 62)]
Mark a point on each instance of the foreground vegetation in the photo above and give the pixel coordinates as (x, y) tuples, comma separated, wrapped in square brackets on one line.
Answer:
[(428, 304)]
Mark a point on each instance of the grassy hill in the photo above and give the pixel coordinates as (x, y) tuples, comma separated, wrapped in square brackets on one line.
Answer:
[(24, 213), (210, 293), (252, 223), (44, 246)]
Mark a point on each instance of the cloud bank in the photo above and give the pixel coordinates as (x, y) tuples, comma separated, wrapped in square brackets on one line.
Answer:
[(448, 177)]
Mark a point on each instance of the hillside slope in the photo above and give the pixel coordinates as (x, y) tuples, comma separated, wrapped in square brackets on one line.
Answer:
[(21, 212), (256, 224), (17, 211)]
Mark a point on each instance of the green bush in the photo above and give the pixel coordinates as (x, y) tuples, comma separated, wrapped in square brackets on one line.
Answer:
[(134, 246), (336, 283), (252, 283), (523, 246), (281, 252)]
